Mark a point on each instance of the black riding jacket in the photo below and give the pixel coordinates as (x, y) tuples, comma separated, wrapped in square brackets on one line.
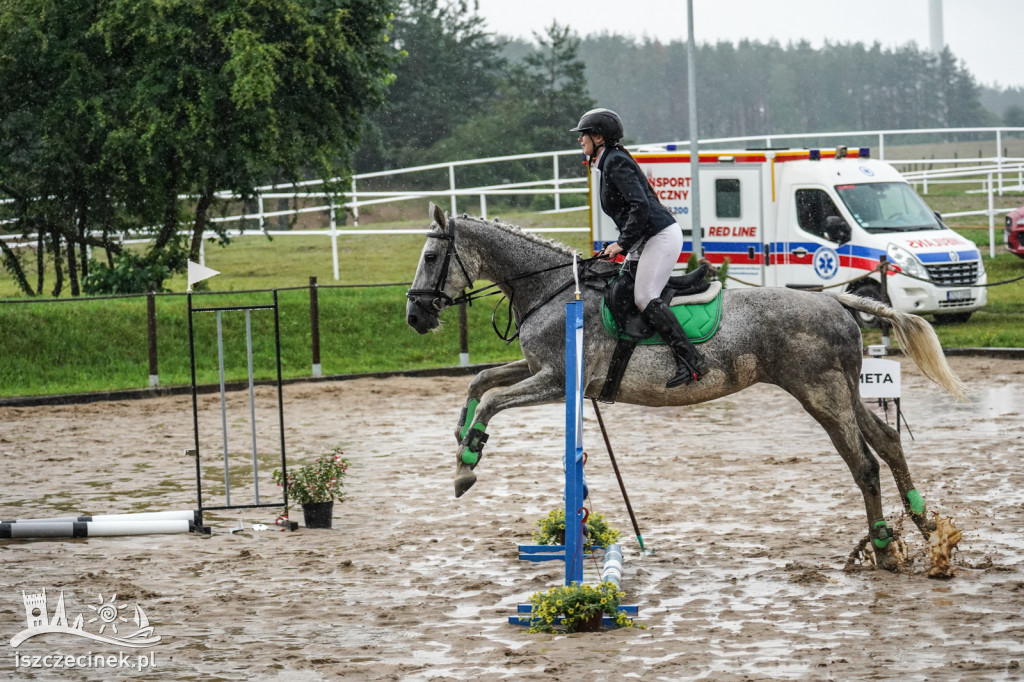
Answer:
[(628, 198)]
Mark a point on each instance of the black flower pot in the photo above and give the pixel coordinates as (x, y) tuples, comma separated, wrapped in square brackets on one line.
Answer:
[(318, 514)]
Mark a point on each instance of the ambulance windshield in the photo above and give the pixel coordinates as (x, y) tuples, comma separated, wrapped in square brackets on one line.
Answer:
[(888, 207)]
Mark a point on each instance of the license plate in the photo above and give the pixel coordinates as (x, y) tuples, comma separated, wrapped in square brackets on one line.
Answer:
[(958, 295)]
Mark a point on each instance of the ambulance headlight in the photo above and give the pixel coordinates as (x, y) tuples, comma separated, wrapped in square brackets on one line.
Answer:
[(907, 262)]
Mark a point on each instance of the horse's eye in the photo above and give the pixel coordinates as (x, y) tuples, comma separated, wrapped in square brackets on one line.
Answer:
[(430, 257)]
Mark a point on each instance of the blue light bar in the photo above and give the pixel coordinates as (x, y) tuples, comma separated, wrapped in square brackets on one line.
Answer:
[(815, 155), (865, 152), (670, 147)]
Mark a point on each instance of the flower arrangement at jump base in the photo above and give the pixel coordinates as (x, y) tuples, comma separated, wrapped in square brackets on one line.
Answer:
[(316, 487), (552, 531), (577, 608)]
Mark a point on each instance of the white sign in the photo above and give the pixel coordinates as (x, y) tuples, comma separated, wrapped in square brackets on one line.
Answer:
[(879, 378), (197, 273)]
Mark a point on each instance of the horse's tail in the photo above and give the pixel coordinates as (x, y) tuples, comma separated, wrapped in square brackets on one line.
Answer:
[(917, 339)]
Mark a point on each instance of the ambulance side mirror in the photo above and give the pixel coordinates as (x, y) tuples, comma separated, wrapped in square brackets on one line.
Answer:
[(837, 230)]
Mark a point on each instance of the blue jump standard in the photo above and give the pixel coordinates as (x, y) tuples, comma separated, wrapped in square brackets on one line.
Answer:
[(575, 513)]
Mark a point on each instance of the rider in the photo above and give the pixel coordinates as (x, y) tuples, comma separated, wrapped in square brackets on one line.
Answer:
[(648, 234)]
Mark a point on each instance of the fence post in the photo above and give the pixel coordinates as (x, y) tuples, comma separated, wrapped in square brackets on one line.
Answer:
[(991, 220), (463, 336), (999, 158), (314, 325), (883, 324), (558, 185), (154, 375), (355, 205), (451, 186), (334, 241)]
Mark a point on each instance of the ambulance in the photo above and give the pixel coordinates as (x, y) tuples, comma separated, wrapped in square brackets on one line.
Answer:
[(815, 218)]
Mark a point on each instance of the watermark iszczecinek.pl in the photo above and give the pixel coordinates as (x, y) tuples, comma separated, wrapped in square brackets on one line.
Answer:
[(106, 614)]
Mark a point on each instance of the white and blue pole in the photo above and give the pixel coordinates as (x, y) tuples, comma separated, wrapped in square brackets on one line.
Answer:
[(575, 514)]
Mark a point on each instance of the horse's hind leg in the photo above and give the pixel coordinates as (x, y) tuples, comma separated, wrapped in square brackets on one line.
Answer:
[(885, 441), (832, 407), (546, 386)]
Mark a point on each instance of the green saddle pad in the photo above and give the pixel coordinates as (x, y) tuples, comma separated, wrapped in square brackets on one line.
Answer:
[(699, 321)]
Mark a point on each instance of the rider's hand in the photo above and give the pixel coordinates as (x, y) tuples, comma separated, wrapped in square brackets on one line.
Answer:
[(610, 251)]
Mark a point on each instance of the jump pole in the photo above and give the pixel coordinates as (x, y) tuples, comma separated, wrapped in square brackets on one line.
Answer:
[(89, 529), (575, 513)]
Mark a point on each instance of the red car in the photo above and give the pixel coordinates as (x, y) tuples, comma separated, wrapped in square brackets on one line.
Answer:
[(1014, 232)]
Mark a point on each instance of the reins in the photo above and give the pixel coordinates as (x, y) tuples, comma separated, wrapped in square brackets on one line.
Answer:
[(439, 295), (584, 277)]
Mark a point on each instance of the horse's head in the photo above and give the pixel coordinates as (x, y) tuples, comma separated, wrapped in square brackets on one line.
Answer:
[(440, 276)]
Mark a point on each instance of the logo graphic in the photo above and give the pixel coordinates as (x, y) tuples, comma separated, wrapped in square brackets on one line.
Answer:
[(826, 263), (866, 171), (954, 257), (108, 613)]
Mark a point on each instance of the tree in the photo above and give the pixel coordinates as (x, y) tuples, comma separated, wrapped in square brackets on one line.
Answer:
[(1014, 116), (54, 124), (541, 99), (451, 69), (131, 104)]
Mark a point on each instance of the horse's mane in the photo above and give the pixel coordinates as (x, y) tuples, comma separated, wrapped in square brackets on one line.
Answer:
[(520, 232)]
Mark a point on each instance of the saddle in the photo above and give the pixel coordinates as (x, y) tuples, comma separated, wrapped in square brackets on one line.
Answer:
[(699, 313), (618, 299)]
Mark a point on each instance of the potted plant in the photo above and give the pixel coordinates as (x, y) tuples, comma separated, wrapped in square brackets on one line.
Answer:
[(577, 608), (316, 486), (552, 531)]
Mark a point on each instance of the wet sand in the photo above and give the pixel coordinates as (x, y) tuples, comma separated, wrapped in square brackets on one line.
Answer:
[(749, 510)]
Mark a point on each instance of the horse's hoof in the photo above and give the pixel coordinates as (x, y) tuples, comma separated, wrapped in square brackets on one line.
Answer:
[(888, 561), (464, 477), (464, 482)]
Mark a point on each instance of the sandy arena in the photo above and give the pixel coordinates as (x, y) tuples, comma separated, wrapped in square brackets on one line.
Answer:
[(750, 511)]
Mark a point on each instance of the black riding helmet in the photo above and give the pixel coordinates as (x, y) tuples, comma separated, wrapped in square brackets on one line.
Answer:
[(603, 122)]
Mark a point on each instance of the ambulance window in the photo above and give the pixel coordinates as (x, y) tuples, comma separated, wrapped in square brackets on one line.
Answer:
[(812, 207), (727, 198)]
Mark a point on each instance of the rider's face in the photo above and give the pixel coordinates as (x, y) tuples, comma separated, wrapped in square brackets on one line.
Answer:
[(589, 142)]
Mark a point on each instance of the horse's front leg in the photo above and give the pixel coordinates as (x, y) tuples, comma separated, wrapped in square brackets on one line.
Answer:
[(485, 380), (547, 386)]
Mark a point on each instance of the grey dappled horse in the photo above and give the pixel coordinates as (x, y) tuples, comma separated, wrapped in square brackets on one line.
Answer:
[(804, 342)]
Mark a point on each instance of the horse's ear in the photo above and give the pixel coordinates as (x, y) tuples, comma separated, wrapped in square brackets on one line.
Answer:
[(437, 216)]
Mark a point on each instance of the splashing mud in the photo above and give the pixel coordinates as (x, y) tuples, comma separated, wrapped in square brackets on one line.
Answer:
[(941, 544), (863, 555)]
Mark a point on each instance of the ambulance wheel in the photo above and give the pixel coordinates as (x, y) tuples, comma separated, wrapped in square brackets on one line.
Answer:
[(873, 291), (951, 318)]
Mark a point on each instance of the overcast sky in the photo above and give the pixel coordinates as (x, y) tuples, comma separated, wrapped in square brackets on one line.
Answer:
[(986, 34)]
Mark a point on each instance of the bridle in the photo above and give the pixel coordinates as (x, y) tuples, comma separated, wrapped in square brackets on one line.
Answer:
[(439, 300)]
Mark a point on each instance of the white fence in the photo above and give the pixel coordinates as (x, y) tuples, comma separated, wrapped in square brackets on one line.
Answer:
[(1001, 172)]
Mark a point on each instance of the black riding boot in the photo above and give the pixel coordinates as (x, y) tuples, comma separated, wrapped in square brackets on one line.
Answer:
[(690, 364)]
